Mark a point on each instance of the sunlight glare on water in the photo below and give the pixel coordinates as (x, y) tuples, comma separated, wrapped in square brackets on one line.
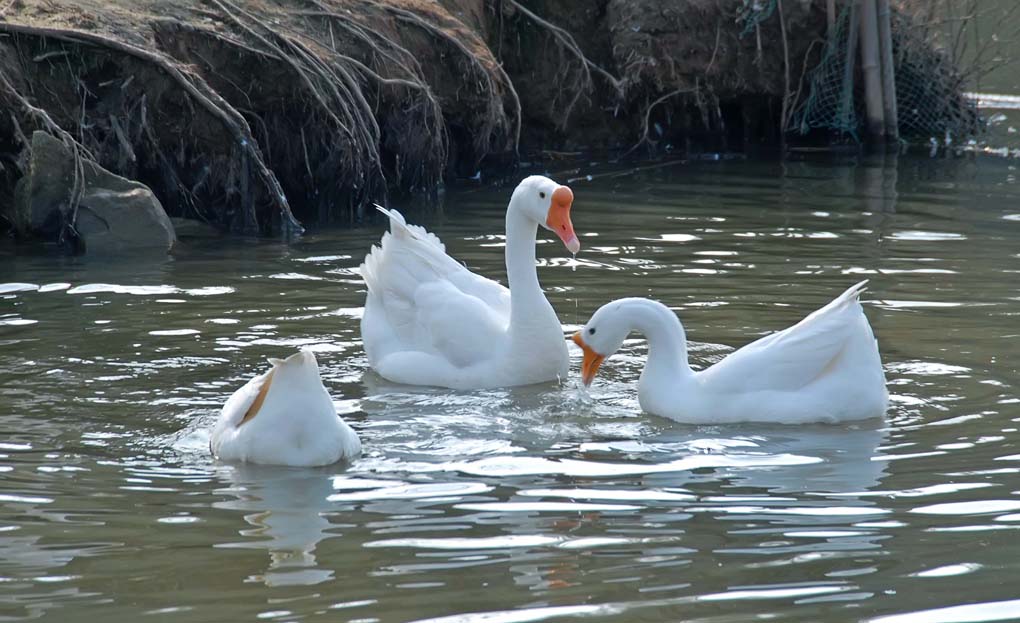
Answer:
[(540, 503)]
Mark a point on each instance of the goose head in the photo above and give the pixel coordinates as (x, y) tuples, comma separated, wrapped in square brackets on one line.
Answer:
[(602, 336), (609, 326), (548, 204)]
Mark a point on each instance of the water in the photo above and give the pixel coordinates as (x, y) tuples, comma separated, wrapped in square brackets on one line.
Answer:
[(539, 503)]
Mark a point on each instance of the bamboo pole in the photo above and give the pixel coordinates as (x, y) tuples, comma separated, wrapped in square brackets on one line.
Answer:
[(892, 124), (872, 69), (847, 105)]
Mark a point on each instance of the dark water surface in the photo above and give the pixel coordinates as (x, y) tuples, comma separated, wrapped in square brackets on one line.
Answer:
[(540, 503)]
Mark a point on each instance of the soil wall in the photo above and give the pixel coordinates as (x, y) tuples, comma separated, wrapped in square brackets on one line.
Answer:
[(258, 115)]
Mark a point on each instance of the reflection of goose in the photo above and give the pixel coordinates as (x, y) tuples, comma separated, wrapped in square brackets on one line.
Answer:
[(284, 417), (430, 321), (846, 462), (831, 459), (825, 368), (285, 508)]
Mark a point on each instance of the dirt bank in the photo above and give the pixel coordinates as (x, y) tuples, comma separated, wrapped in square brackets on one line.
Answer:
[(259, 115)]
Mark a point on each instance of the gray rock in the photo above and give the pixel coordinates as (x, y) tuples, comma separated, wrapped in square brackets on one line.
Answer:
[(112, 221), (192, 228), (115, 215)]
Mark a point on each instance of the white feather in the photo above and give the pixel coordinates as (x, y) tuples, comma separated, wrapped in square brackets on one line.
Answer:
[(296, 423)]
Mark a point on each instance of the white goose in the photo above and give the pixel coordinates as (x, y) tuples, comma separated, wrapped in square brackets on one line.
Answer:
[(430, 321), (284, 417), (825, 368)]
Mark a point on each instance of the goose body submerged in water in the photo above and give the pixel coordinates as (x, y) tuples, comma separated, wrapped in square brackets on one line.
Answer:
[(825, 368), (284, 416), (428, 320)]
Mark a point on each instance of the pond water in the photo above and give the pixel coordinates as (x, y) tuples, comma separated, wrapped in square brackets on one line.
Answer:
[(538, 503)]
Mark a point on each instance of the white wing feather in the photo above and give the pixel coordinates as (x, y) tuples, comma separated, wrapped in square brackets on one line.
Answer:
[(792, 358), (241, 400), (421, 299), (233, 411)]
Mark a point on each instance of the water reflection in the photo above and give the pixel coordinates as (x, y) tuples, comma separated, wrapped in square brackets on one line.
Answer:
[(285, 508), (834, 459)]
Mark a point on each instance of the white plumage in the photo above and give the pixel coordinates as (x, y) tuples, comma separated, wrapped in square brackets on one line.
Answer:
[(825, 368), (428, 320), (284, 417)]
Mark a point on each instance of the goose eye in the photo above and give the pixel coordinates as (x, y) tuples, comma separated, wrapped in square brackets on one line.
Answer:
[(542, 194), (591, 331)]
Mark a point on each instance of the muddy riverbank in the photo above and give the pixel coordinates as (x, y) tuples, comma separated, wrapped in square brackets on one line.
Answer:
[(258, 116)]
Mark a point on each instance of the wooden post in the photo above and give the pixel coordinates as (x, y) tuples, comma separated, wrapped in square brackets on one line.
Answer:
[(892, 124), (830, 14), (847, 105), (872, 69)]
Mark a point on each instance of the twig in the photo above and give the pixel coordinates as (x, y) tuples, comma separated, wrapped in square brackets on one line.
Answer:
[(800, 81), (648, 116), (715, 49), (18, 132), (122, 138), (42, 57), (786, 72)]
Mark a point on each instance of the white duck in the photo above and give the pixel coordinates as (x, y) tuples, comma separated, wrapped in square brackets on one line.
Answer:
[(825, 368), (428, 320), (284, 417)]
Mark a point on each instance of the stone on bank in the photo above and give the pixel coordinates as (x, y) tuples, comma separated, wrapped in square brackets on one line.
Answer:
[(115, 215)]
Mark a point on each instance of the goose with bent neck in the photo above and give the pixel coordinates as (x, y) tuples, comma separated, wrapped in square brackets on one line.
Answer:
[(428, 320), (826, 368)]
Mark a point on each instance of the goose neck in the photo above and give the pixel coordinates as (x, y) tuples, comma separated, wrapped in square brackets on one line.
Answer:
[(667, 341), (522, 277)]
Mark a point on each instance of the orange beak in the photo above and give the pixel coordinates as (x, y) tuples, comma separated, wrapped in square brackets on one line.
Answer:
[(592, 360), (558, 218)]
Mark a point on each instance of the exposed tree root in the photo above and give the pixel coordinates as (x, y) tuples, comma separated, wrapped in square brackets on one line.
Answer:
[(582, 82), (201, 93), (68, 233), (494, 119), (429, 145), (332, 86)]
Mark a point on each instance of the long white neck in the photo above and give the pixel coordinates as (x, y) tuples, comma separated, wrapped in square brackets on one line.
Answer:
[(667, 342), (527, 298)]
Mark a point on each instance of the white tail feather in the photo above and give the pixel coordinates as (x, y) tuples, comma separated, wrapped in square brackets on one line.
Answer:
[(860, 287), (854, 292)]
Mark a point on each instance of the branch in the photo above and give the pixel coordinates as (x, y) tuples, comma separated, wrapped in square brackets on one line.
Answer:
[(648, 116), (568, 41)]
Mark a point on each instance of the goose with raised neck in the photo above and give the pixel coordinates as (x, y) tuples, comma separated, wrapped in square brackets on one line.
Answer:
[(428, 320)]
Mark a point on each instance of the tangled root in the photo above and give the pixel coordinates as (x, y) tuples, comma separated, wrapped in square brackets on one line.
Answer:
[(230, 114)]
